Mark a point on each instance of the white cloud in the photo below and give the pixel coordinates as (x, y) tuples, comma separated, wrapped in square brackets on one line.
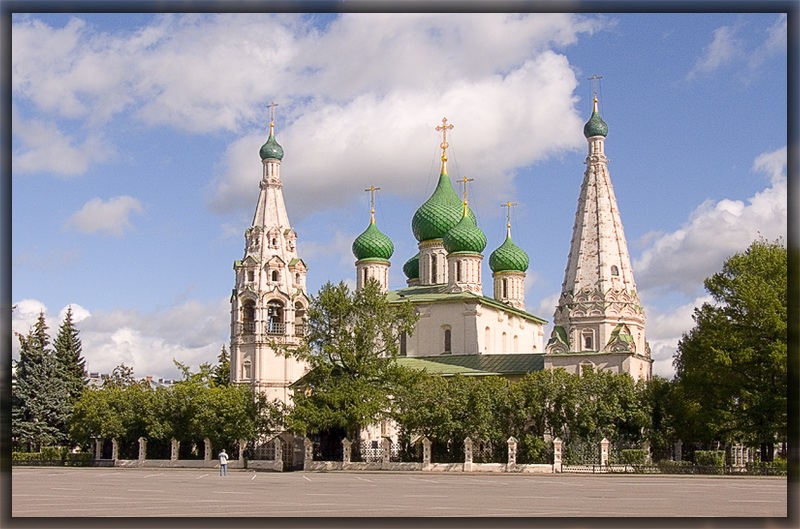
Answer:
[(192, 333), (111, 217), (665, 329), (43, 146), (722, 50), (716, 230)]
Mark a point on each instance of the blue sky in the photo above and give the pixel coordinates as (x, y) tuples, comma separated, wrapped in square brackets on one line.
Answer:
[(135, 163)]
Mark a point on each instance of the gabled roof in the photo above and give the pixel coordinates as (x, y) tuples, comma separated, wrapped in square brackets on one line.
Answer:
[(439, 294), (475, 365)]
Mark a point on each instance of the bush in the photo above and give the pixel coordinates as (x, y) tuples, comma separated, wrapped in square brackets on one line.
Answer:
[(675, 467), (55, 453), (633, 457), (710, 458)]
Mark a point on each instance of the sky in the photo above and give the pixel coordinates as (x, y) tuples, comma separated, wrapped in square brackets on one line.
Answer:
[(135, 167)]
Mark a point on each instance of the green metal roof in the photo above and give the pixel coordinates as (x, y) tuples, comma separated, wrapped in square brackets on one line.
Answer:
[(439, 213), (476, 365), (411, 268), (438, 294), (508, 257), (271, 149), (465, 236), (372, 244)]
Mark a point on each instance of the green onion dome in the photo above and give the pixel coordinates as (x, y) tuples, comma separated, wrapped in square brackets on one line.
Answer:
[(411, 268), (439, 213), (372, 244), (595, 126), (508, 257), (465, 236), (271, 149)]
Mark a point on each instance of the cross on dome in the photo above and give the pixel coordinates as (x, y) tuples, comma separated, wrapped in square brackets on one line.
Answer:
[(371, 190), (443, 128)]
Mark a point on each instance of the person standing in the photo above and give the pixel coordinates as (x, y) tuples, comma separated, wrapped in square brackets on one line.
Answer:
[(223, 463)]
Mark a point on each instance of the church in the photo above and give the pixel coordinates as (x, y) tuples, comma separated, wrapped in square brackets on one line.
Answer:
[(598, 322)]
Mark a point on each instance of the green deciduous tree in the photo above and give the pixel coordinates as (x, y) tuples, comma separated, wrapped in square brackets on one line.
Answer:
[(351, 340), (732, 366)]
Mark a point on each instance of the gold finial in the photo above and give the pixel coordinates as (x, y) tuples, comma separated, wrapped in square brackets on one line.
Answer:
[(371, 191), (444, 127), (595, 79), (508, 205), (272, 117), (464, 183)]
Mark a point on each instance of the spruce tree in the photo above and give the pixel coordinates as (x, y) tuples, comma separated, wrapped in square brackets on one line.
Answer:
[(39, 404), (67, 347)]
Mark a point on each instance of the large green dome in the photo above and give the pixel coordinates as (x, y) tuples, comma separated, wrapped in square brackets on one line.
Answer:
[(271, 149), (465, 236), (595, 126), (439, 213), (508, 258), (411, 268), (372, 244)]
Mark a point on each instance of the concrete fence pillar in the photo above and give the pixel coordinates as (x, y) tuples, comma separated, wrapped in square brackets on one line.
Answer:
[(467, 455), (556, 455), (142, 449), (648, 457), (175, 447), (347, 450), (512, 454), (207, 454), (386, 450), (678, 450), (114, 449), (242, 450), (278, 449), (604, 451), (426, 453), (309, 453), (98, 448)]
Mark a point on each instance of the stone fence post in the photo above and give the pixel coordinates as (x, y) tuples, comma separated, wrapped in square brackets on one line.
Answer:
[(207, 454), (386, 451), (557, 455), (114, 449), (98, 448), (173, 456), (242, 450), (347, 450), (648, 458), (278, 449), (678, 450), (604, 452), (142, 449), (512, 454), (467, 455), (309, 453), (426, 453)]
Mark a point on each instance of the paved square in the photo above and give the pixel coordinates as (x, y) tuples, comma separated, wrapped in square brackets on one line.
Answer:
[(91, 492)]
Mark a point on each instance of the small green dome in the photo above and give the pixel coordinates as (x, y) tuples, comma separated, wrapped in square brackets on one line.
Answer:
[(411, 268), (372, 244), (439, 213), (465, 237), (595, 126), (508, 257), (271, 149)]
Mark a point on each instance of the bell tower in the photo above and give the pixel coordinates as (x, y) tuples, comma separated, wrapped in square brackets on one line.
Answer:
[(269, 300), (599, 321)]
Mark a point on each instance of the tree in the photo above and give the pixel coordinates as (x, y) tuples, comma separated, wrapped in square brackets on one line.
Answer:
[(40, 405), (221, 373), (732, 365), (72, 365), (351, 342)]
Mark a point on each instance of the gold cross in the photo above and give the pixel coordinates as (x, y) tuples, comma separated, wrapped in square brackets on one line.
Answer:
[(508, 205), (444, 127), (595, 79), (464, 182), (272, 117), (371, 191)]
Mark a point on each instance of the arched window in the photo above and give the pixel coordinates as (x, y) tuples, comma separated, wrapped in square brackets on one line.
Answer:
[(366, 276), (505, 343), (614, 270), (276, 276), (247, 371), (433, 269), (458, 271), (249, 317), (403, 345), (448, 345), (516, 343), (299, 319), (504, 289), (275, 323), (487, 337), (588, 340)]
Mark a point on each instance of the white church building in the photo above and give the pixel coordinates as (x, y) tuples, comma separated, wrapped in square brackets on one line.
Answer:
[(598, 322)]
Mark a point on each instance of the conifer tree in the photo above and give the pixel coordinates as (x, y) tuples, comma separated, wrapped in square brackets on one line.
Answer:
[(39, 404), (67, 347), (221, 373)]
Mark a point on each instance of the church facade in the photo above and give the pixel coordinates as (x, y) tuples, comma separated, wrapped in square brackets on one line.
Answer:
[(598, 323)]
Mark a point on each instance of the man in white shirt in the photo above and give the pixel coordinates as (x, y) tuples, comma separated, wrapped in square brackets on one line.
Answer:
[(223, 463)]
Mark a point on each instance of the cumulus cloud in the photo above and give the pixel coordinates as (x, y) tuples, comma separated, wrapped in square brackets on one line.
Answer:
[(723, 49), (191, 333), (111, 217), (716, 230), (43, 146)]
